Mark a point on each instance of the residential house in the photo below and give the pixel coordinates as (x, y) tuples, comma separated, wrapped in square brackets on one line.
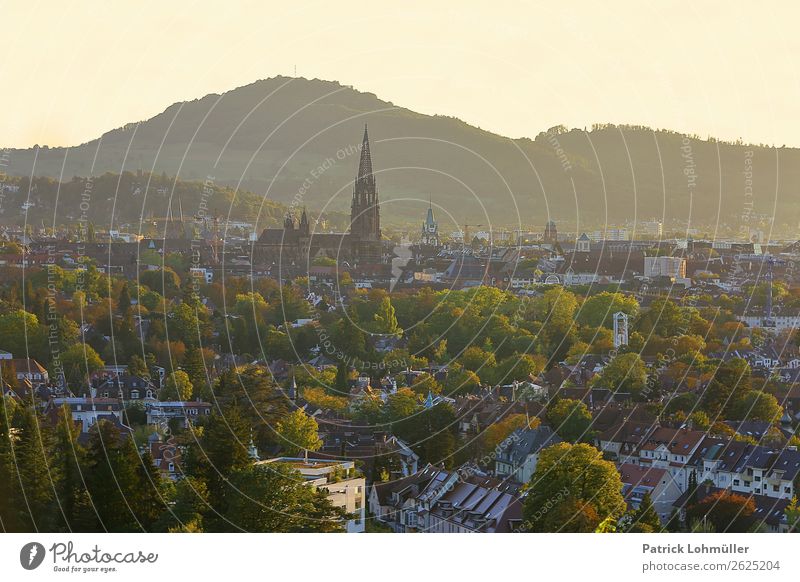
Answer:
[(87, 411), (762, 471), (439, 501), (671, 449), (474, 503), (623, 441), (394, 503), (518, 455), (184, 412), (125, 387), (28, 370), (659, 483)]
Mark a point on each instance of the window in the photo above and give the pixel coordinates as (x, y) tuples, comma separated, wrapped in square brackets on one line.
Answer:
[(758, 478), (736, 482), (134, 394), (411, 519), (787, 489), (747, 483)]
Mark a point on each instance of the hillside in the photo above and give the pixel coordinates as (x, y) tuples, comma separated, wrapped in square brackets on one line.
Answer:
[(270, 137)]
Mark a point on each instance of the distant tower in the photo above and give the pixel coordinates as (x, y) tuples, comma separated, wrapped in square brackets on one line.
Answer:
[(768, 321), (365, 218), (550, 232), (304, 226), (430, 229), (620, 329)]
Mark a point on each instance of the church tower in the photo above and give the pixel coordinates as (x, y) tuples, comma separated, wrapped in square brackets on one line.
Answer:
[(365, 218), (430, 229)]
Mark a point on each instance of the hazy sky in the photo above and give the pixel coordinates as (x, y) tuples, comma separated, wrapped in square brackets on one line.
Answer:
[(71, 70)]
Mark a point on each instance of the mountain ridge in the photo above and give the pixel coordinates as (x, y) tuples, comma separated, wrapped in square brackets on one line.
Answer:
[(271, 136)]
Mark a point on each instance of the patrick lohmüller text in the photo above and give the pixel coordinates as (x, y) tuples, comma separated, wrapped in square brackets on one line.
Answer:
[(694, 549)]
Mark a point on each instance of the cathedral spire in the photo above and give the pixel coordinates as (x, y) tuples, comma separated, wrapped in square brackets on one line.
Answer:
[(365, 218), (365, 165), (364, 190)]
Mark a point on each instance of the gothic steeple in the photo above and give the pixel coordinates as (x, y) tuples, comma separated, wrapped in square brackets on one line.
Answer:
[(365, 164), (304, 226), (364, 213)]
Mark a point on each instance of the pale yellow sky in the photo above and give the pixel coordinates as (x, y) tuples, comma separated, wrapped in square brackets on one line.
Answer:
[(71, 70)]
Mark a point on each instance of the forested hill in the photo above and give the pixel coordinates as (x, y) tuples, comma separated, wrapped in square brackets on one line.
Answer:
[(139, 201), (294, 140)]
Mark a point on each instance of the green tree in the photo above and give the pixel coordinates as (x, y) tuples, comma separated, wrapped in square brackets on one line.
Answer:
[(518, 367), (189, 324), (189, 503), (598, 310), (424, 384), (626, 373), (137, 366), (79, 362), (461, 381), (431, 433), (163, 281), (401, 404), (298, 433), (124, 301), (477, 360), (68, 456), (556, 311), (645, 519), (757, 405), (195, 367), (177, 386), (699, 420), (385, 319), (792, 513), (342, 380), (263, 404), (21, 334), (274, 498), (124, 487), (9, 499), (37, 511), (663, 318), (727, 390), (569, 477), (571, 419)]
